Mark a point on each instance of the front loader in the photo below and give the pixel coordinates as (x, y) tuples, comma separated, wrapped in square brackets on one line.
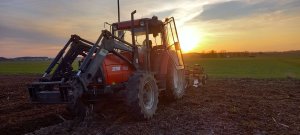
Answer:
[(139, 58)]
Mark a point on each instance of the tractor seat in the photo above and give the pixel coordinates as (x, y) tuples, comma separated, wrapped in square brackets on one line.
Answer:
[(149, 41)]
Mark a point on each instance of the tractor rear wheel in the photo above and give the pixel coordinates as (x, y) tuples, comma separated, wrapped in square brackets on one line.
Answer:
[(142, 95), (175, 83)]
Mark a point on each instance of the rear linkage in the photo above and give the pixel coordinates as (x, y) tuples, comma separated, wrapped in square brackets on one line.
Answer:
[(195, 76)]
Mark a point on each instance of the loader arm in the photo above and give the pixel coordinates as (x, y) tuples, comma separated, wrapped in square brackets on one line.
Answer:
[(66, 84)]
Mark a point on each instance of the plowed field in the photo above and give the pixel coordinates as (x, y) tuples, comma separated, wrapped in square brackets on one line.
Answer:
[(223, 106)]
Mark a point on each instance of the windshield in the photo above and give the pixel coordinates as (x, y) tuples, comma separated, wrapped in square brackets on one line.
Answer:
[(140, 36)]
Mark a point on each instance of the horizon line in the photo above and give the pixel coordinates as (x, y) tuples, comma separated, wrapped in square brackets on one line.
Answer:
[(297, 50)]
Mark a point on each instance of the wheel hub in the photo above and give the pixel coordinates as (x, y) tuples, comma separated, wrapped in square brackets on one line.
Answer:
[(148, 96)]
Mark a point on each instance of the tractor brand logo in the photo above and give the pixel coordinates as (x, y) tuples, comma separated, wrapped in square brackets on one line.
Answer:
[(116, 68)]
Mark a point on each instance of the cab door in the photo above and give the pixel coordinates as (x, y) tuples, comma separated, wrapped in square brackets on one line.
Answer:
[(173, 44)]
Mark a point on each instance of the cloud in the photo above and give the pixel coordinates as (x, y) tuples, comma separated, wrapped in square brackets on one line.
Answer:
[(183, 11), (27, 35), (164, 14), (34, 23), (238, 9)]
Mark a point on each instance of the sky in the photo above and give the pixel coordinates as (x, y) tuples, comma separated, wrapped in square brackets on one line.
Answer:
[(41, 28)]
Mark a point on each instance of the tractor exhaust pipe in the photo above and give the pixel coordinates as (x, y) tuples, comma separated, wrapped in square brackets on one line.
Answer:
[(132, 27), (118, 10), (135, 48), (120, 33)]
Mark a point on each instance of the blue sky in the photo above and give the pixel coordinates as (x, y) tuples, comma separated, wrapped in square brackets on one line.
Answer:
[(40, 27)]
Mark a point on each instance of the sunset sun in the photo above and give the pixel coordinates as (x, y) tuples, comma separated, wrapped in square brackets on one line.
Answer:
[(189, 38)]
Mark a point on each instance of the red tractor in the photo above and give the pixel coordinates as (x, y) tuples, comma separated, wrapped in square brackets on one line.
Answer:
[(139, 58)]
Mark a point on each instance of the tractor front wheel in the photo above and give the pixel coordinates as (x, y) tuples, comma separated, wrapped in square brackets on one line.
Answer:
[(79, 105), (142, 95), (78, 109)]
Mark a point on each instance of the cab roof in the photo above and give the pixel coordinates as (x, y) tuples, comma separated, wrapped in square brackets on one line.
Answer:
[(152, 22)]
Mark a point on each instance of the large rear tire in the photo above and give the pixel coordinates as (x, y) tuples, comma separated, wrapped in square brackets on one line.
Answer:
[(142, 95), (175, 83)]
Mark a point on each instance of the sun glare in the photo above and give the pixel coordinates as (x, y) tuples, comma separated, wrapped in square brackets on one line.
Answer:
[(189, 38)]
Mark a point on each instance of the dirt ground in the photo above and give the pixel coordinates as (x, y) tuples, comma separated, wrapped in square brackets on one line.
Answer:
[(17, 115), (225, 106)]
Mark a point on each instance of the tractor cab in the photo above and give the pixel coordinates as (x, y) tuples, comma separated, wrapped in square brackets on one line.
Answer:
[(147, 31), (153, 35)]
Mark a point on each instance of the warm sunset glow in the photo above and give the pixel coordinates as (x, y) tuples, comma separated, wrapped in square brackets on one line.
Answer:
[(189, 39), (202, 25)]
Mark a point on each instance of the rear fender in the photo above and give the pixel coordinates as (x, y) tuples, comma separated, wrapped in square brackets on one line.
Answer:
[(164, 63)]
